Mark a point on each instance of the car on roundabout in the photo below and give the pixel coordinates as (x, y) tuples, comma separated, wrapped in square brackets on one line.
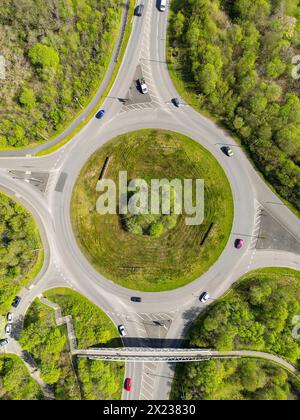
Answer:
[(204, 297), (239, 243), (10, 318), (177, 102), (228, 151)]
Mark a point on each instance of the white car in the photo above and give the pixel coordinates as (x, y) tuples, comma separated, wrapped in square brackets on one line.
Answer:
[(122, 330), (143, 86), (8, 329), (204, 297), (10, 318)]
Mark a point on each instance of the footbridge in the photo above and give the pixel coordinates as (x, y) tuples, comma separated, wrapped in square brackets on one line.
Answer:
[(177, 355)]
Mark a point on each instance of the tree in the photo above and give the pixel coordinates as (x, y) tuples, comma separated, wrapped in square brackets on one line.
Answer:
[(43, 56)]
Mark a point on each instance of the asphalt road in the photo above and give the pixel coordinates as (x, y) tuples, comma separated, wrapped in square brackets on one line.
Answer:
[(66, 266)]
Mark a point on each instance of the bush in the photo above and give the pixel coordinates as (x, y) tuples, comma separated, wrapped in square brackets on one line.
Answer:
[(42, 56)]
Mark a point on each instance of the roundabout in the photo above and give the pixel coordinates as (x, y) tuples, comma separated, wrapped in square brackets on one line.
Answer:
[(125, 249)]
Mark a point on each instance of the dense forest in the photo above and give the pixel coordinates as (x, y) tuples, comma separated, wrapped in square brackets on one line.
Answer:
[(257, 315), (56, 53), (15, 381), (234, 59), (234, 380), (48, 343), (20, 249)]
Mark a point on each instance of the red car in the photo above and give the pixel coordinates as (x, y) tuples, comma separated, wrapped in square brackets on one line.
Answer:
[(239, 243), (128, 384)]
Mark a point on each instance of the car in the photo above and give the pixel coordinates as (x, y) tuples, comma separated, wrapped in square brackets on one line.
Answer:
[(204, 297), (10, 318), (100, 114), (143, 86), (228, 151), (4, 342), (239, 243), (177, 102), (122, 330), (162, 5), (136, 299), (8, 329), (16, 302), (128, 384), (139, 10)]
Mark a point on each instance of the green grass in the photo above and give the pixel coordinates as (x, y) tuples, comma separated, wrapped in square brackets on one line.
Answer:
[(22, 254), (15, 381), (72, 379), (125, 40), (177, 257), (257, 314)]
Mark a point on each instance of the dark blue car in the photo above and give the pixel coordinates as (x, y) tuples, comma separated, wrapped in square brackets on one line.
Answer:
[(100, 114)]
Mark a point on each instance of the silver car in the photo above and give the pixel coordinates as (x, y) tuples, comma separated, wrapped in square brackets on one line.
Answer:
[(10, 318), (8, 329), (204, 297), (122, 330)]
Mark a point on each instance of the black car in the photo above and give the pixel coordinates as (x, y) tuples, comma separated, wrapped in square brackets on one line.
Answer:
[(136, 299), (3, 342), (139, 10), (177, 102), (16, 301)]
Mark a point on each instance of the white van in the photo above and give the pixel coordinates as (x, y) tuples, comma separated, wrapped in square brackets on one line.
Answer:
[(163, 5)]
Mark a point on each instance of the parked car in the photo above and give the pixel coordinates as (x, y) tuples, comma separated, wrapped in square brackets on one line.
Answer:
[(100, 114), (8, 329), (10, 318), (16, 302), (139, 10), (228, 151), (128, 384), (4, 342), (239, 243), (136, 299), (122, 330), (177, 102), (143, 86), (204, 297)]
